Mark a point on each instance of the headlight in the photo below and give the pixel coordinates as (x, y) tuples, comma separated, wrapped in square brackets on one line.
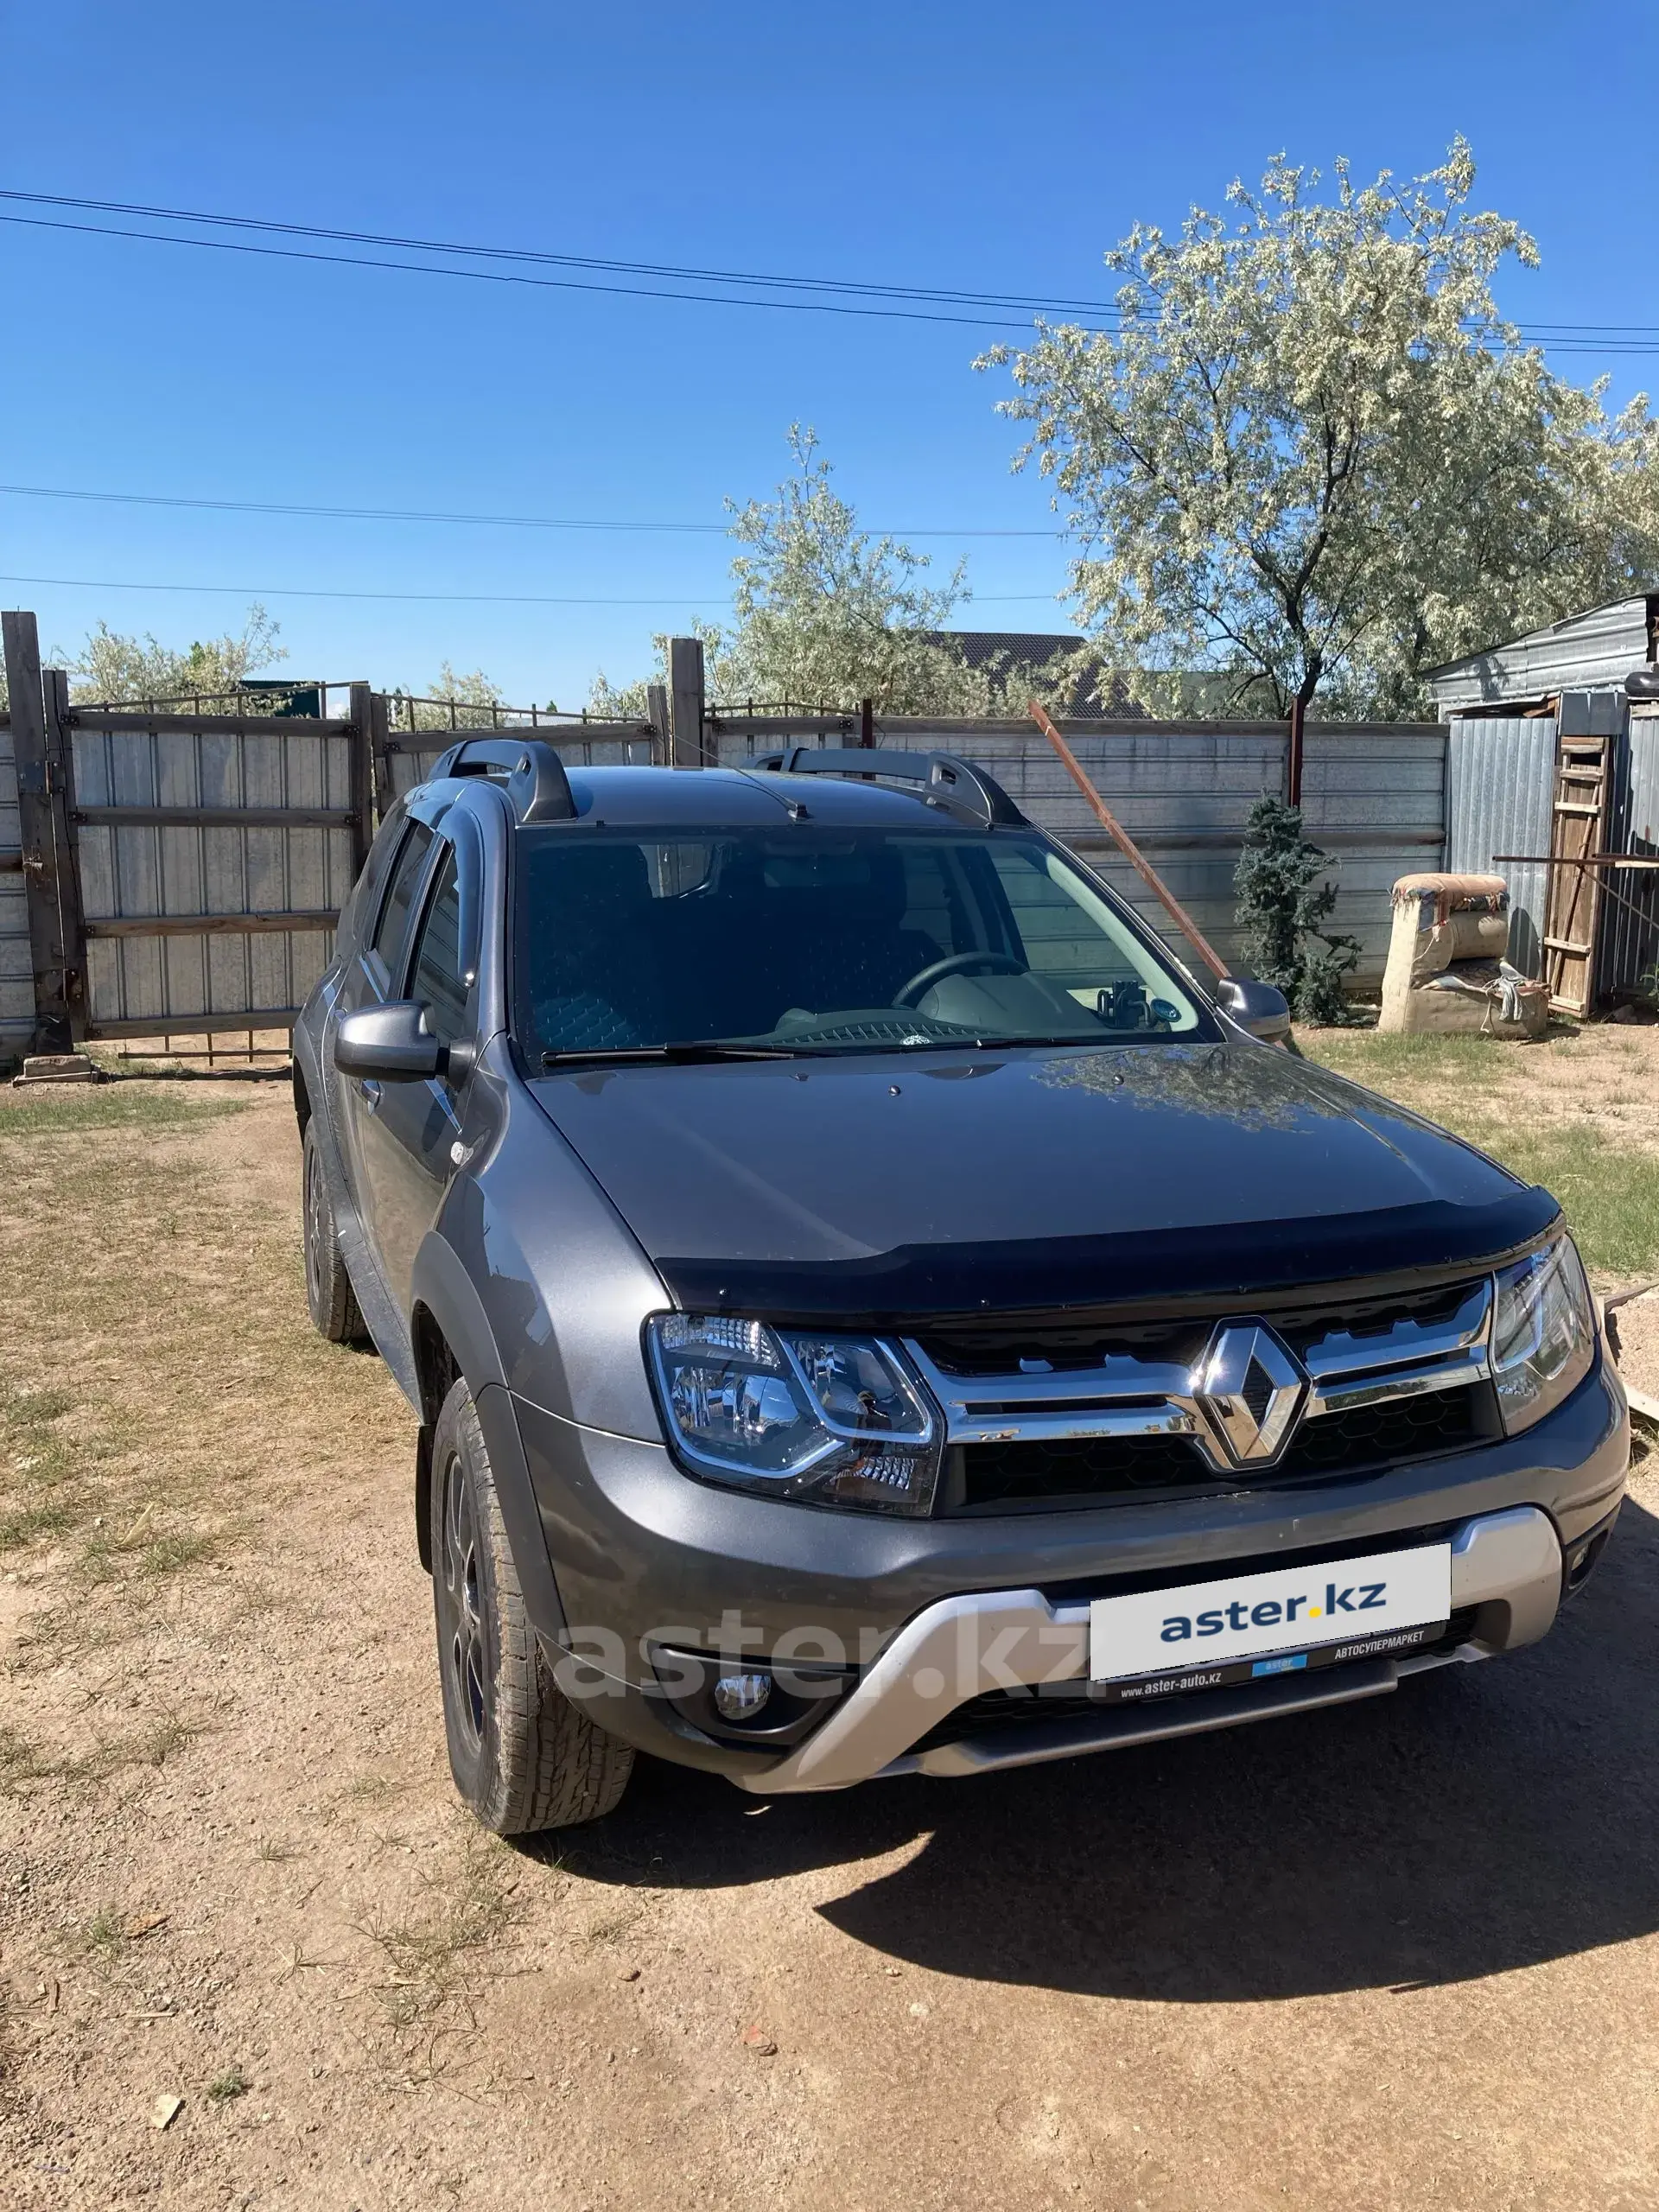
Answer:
[(1543, 1334), (831, 1421)]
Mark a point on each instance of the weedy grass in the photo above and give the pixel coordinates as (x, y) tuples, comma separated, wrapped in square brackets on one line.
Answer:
[(230, 2084), (436, 1954), (104, 1935), (95, 1108)]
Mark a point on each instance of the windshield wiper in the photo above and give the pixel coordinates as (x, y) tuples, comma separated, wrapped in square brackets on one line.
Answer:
[(685, 1055), (990, 1044)]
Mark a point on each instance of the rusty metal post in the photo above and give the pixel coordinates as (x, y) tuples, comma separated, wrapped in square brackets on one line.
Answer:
[(1293, 764), (1130, 850), (867, 723)]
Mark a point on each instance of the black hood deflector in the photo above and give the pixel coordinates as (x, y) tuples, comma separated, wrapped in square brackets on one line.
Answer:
[(915, 1283)]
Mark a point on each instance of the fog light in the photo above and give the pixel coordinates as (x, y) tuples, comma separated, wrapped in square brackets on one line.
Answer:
[(740, 1697)]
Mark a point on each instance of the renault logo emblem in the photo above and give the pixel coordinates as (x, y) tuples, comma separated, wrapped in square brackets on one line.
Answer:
[(1250, 1389)]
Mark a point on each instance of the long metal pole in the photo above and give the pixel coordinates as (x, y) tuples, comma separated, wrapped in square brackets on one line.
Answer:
[(1293, 761), (1130, 850)]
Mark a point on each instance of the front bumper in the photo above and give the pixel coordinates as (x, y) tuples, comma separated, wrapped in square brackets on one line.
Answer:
[(646, 1558), (1505, 1567)]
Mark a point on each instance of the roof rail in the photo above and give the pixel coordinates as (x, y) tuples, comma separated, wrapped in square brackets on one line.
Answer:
[(537, 788), (946, 778)]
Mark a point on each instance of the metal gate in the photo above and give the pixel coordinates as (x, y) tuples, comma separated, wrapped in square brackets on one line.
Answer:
[(170, 872), (182, 872)]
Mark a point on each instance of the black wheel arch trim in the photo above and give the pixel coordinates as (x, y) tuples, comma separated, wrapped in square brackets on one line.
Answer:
[(442, 1296)]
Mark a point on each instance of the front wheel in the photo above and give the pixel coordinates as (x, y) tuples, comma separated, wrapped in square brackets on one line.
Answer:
[(522, 1756)]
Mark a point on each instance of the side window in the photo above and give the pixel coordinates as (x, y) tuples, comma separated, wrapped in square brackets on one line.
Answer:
[(1062, 942), (437, 984), (406, 873)]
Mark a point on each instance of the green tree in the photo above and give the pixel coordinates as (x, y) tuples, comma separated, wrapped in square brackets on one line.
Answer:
[(1285, 900), (114, 666), (1313, 458), (453, 701), (828, 615)]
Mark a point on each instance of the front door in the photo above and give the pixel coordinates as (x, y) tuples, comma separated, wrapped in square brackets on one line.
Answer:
[(407, 1139), (375, 975)]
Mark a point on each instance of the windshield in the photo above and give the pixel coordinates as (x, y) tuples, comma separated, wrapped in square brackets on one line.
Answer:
[(824, 940)]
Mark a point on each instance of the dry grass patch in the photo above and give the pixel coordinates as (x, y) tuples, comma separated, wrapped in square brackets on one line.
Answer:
[(1578, 1113), (149, 1349), (440, 1954)]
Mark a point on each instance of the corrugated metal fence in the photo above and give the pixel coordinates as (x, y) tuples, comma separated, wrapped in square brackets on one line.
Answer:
[(1500, 782), (210, 854), (1629, 915), (1500, 771), (1373, 796)]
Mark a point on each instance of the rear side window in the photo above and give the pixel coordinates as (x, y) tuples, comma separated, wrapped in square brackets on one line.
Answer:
[(406, 874), (437, 984)]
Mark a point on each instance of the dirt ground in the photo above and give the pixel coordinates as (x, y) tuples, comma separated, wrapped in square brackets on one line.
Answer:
[(1400, 1955)]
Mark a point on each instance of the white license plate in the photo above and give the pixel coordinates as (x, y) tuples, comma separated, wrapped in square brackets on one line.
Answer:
[(1237, 1616)]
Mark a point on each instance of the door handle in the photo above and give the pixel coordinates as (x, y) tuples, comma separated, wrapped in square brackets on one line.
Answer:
[(371, 1093)]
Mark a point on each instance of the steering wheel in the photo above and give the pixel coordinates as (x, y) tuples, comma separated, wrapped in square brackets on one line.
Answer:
[(956, 964)]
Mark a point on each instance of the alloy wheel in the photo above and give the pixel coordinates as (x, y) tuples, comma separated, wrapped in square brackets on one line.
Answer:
[(465, 1652), (314, 1204)]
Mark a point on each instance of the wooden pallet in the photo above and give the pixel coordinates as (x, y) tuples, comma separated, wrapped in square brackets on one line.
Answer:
[(1579, 817)]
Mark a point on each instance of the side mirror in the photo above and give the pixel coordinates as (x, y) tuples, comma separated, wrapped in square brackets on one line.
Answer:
[(389, 1043), (1255, 1006)]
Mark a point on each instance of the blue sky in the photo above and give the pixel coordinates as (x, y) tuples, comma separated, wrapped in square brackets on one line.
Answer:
[(985, 147)]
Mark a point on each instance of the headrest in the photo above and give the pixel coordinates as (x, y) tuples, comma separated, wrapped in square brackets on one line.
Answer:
[(1454, 894)]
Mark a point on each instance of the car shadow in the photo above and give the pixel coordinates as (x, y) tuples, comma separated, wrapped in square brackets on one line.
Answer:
[(1481, 1819)]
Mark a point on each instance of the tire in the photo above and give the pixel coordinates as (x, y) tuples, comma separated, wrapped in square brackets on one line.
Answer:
[(524, 1756), (328, 1290)]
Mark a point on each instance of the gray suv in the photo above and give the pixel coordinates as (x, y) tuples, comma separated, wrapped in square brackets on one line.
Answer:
[(871, 1310)]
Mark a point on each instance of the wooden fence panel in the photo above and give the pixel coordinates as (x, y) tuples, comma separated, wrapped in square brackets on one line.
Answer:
[(242, 823)]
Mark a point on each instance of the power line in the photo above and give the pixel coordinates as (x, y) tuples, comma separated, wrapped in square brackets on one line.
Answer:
[(502, 277), (440, 598), (679, 273), (295, 591), (435, 515), (906, 303)]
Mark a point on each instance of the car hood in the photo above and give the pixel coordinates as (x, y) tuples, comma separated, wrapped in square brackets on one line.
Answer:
[(892, 1187)]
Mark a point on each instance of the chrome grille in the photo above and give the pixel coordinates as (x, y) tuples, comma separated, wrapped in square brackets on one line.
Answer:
[(1004, 1387)]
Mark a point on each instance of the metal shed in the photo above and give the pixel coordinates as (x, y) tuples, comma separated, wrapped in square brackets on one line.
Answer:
[(1593, 651), (1550, 759)]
